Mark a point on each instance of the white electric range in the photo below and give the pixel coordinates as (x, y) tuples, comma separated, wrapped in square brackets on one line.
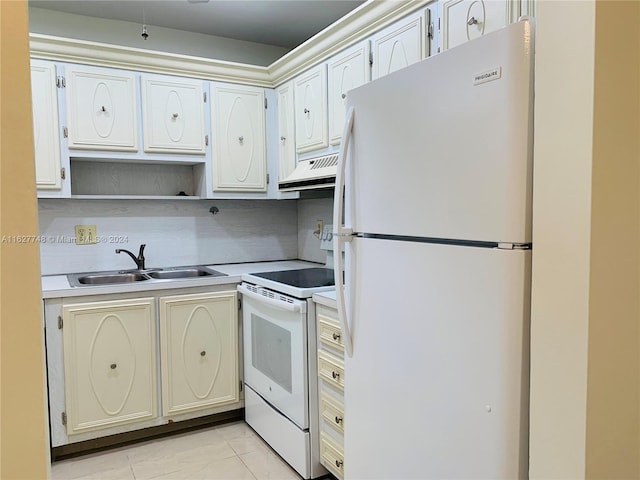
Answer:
[(280, 364)]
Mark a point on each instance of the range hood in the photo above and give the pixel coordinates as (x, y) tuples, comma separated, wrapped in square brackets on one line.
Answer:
[(318, 172)]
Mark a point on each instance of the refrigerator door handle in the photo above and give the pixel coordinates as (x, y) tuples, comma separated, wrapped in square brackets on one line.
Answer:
[(342, 234)]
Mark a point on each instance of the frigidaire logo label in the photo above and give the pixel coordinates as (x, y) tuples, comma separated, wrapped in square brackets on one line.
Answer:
[(487, 76)]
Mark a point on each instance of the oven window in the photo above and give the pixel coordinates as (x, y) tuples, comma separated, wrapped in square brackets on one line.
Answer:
[(271, 351)]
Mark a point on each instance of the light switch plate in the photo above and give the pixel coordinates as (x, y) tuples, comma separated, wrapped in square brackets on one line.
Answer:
[(85, 234)]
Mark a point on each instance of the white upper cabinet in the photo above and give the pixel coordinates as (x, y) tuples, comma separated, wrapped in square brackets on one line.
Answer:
[(46, 133), (238, 143), (399, 45), (464, 20), (172, 115), (286, 131), (101, 109), (347, 70), (310, 97)]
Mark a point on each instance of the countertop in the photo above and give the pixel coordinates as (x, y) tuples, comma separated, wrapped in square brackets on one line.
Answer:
[(328, 299), (57, 286)]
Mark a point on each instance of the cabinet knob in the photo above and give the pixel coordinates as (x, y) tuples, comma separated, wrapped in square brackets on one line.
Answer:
[(174, 116), (306, 110), (203, 353), (102, 109), (240, 139), (338, 420), (344, 95), (282, 139), (339, 463), (113, 366), (472, 21), (335, 375), (336, 336)]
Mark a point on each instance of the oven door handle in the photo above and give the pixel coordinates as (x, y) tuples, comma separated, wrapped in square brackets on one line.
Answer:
[(296, 306)]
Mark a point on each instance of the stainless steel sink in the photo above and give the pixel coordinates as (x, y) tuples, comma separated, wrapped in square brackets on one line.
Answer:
[(151, 275), (186, 272)]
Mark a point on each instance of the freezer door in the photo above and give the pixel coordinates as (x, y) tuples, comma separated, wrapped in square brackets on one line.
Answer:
[(443, 148), (437, 387)]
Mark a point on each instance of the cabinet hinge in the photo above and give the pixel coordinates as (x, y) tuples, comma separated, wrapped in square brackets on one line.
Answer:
[(64, 418), (61, 82), (438, 23), (430, 31), (267, 179), (370, 58), (266, 102), (240, 385), (63, 173), (239, 304), (60, 322), (65, 132), (206, 139), (204, 96)]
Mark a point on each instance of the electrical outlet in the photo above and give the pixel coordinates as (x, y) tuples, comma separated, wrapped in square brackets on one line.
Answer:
[(318, 231), (85, 234)]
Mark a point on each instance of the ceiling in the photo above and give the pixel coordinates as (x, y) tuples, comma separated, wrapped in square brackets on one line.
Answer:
[(284, 23)]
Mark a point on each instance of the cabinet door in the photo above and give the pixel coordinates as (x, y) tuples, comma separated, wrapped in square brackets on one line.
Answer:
[(310, 97), (465, 20), (286, 132), (398, 45), (101, 109), (172, 115), (109, 363), (199, 359), (239, 148), (46, 134), (347, 70)]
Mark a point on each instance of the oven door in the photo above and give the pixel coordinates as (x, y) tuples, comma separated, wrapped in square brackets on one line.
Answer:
[(275, 350)]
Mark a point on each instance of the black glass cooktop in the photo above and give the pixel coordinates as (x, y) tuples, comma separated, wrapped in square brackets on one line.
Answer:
[(302, 278)]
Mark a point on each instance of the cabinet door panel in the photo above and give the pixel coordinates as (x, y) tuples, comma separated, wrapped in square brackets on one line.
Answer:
[(310, 97), (101, 109), (398, 45), (199, 335), (46, 134), (464, 20), (286, 132), (347, 70), (239, 138), (172, 116), (110, 368)]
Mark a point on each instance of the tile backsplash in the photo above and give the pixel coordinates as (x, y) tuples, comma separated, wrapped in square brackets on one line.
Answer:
[(175, 232)]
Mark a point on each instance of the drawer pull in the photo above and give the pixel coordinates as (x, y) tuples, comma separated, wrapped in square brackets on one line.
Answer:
[(336, 336), (335, 375), (338, 420), (113, 366), (203, 353), (339, 463)]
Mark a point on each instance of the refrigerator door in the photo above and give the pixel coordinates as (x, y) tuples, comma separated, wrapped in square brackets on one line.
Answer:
[(437, 387), (443, 148)]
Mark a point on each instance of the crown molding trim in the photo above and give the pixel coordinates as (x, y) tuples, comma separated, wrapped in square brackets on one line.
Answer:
[(353, 27)]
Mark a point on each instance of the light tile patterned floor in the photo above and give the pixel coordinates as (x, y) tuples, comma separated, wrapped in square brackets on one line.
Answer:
[(230, 451)]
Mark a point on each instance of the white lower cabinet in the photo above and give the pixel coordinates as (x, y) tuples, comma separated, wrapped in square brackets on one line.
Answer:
[(330, 389), (123, 362), (199, 351), (109, 363)]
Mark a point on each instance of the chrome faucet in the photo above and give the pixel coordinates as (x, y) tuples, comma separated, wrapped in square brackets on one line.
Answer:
[(139, 259)]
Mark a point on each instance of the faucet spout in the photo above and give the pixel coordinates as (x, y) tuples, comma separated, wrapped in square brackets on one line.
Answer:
[(139, 259)]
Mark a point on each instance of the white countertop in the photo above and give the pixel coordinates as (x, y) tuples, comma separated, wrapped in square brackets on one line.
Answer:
[(327, 299), (56, 286)]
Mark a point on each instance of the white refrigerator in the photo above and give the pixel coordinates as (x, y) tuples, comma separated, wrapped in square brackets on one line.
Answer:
[(433, 210)]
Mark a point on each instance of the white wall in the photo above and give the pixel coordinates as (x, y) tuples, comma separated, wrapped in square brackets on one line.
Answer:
[(175, 232), (49, 22)]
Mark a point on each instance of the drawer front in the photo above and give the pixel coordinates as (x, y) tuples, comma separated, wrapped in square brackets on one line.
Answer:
[(332, 412), (331, 369), (329, 333), (331, 456)]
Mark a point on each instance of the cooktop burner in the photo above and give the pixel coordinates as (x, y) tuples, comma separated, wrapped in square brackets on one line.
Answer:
[(302, 278)]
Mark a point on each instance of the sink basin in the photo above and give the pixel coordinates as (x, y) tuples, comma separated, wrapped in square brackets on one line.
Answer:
[(190, 272), (107, 278), (150, 275)]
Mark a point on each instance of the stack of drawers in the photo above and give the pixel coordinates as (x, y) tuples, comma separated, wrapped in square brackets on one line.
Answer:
[(330, 389)]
